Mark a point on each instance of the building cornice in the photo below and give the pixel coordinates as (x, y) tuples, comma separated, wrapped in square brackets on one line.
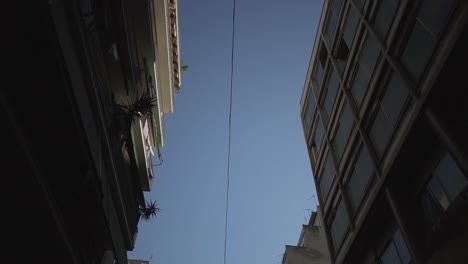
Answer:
[(174, 27)]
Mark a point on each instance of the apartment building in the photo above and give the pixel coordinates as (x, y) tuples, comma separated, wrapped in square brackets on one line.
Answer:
[(77, 167), (384, 112)]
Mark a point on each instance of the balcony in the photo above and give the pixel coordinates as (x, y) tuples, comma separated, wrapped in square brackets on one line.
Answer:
[(142, 149)]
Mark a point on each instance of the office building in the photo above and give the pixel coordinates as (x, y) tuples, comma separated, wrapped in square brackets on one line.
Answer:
[(385, 113), (76, 166)]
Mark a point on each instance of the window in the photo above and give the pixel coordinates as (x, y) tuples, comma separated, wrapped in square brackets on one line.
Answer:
[(359, 85), (365, 67), (446, 183), (310, 109), (346, 123), (434, 14), (360, 3), (339, 225), (450, 177), (350, 26), (388, 115), (418, 51), (332, 88), (328, 173), (395, 98), (369, 54), (430, 22), (322, 60), (319, 133), (341, 55), (361, 175), (333, 18), (381, 132), (384, 17), (396, 251)]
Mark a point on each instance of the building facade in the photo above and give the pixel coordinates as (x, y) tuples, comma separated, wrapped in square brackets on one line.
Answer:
[(138, 261), (78, 167), (385, 117), (312, 247)]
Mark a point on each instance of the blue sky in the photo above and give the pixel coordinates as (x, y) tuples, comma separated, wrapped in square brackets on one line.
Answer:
[(271, 181)]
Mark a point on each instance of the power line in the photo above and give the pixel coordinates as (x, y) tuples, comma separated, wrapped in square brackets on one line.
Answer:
[(229, 129)]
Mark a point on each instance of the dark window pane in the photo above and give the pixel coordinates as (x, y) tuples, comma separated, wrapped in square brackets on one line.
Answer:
[(384, 17), (319, 133), (322, 60), (339, 225), (434, 14), (310, 108), (450, 176), (344, 129), (401, 247), (360, 3), (327, 176), (365, 67), (360, 178), (319, 75), (438, 193), (390, 256), (333, 84), (332, 18), (395, 98), (369, 55), (331, 25), (432, 208), (418, 51), (342, 53), (350, 26), (336, 5), (380, 133), (359, 85)]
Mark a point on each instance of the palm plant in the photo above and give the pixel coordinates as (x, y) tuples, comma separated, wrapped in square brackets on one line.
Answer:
[(149, 210), (141, 107), (126, 114)]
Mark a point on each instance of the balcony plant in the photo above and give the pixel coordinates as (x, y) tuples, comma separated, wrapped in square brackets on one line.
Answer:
[(126, 114), (149, 210)]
